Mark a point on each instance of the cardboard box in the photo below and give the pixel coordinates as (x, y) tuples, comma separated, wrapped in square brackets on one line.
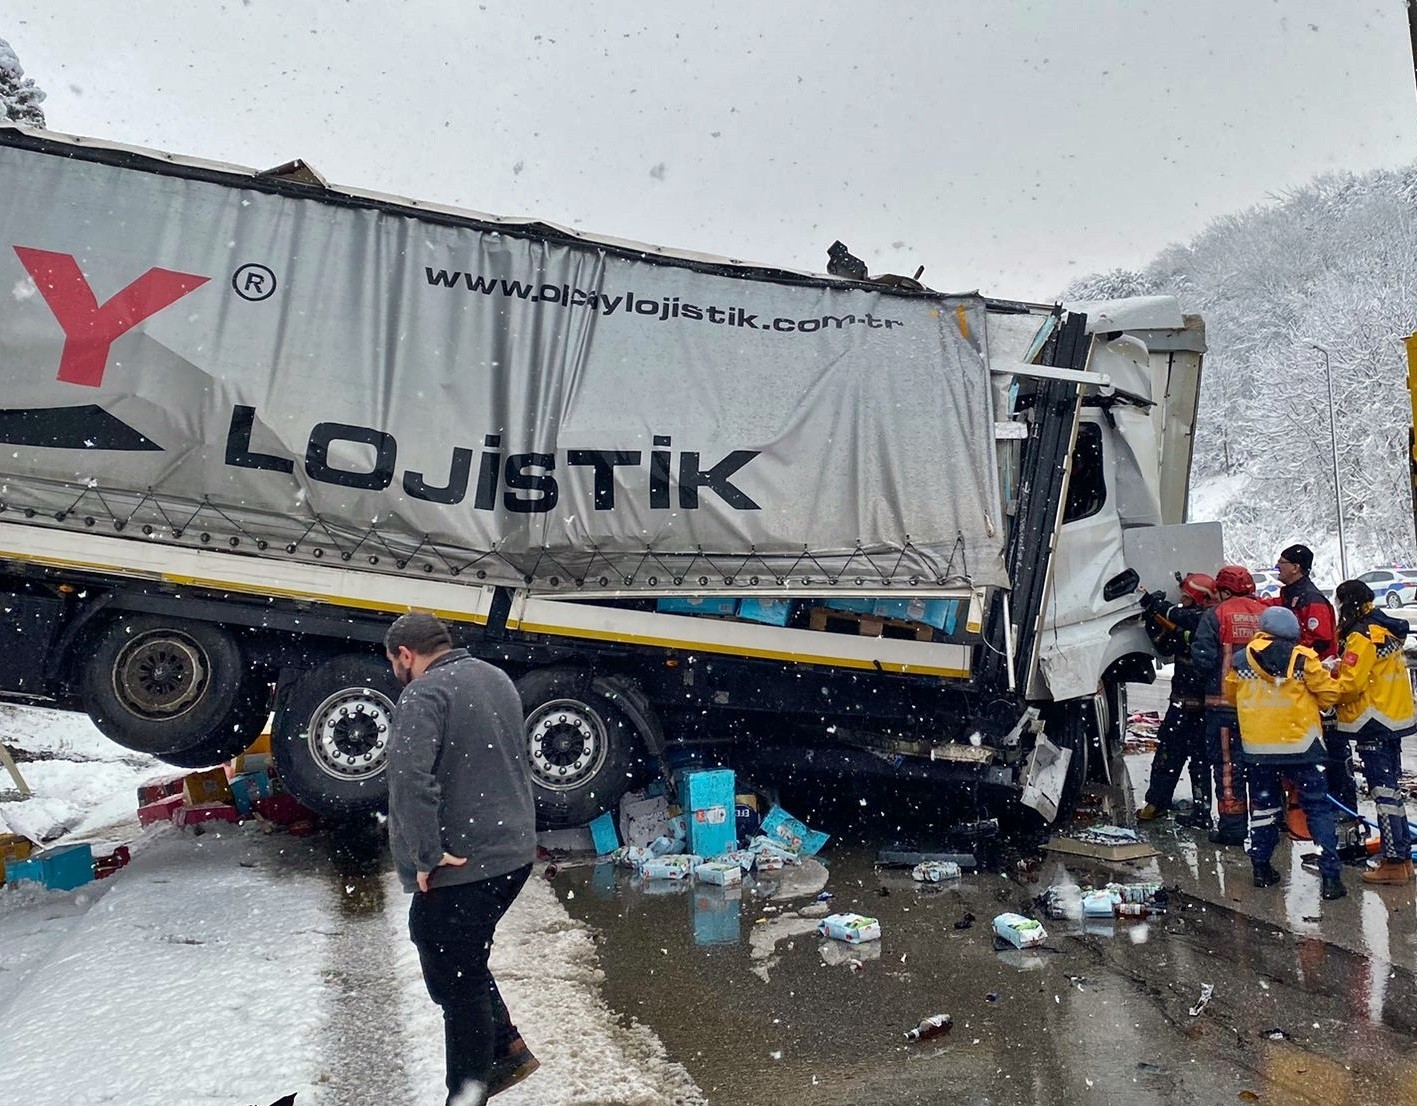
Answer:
[(603, 835), (642, 820), (13, 847), (1020, 931), (787, 832), (720, 872), (851, 928), (1103, 843), (709, 810), (160, 811), (770, 612), (675, 866), (211, 786), (723, 606), (60, 869)]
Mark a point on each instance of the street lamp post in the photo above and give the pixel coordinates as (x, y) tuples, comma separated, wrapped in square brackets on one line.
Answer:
[(1333, 443)]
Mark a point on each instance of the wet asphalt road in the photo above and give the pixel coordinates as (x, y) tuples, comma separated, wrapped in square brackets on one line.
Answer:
[(1314, 1002), (763, 1011)]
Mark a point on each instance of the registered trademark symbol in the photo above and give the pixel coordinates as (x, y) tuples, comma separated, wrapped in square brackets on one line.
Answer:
[(254, 282)]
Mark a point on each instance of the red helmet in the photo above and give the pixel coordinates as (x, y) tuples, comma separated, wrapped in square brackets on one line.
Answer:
[(1201, 588), (1235, 579)]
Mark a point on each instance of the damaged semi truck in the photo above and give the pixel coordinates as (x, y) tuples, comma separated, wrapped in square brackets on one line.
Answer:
[(247, 417)]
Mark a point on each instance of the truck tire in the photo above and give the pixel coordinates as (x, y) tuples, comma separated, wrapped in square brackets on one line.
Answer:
[(331, 739), (164, 686), (240, 728), (583, 750)]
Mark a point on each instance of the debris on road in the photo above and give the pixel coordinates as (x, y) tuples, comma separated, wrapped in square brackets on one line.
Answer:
[(935, 871), (1207, 990), (1020, 931), (854, 929), (1103, 843), (934, 1026)]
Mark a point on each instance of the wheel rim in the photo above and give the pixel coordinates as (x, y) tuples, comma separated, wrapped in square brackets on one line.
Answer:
[(566, 743), (349, 733), (161, 675)]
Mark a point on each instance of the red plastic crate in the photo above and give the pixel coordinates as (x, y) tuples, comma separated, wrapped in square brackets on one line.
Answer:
[(105, 866), (207, 812), (150, 793), (160, 811), (281, 809)]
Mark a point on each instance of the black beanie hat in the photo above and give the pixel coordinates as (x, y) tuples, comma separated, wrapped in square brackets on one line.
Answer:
[(1300, 555)]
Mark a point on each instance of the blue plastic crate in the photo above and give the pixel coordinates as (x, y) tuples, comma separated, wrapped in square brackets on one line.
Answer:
[(722, 605), (939, 613), (772, 612), (856, 606), (58, 869), (707, 798), (249, 786)]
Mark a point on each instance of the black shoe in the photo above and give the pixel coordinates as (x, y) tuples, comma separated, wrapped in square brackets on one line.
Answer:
[(1219, 838), (511, 1067), (1333, 888), (1265, 875)]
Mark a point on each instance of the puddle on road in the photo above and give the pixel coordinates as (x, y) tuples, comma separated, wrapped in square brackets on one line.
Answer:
[(761, 1010)]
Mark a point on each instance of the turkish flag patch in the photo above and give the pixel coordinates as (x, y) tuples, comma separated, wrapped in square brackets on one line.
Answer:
[(1350, 659)]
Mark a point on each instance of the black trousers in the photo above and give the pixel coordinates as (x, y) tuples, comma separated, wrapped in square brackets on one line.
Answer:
[(452, 929), (1180, 741)]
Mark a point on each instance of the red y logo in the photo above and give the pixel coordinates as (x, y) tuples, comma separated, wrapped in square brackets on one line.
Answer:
[(91, 328)]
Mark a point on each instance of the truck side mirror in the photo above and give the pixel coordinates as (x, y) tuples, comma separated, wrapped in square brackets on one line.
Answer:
[(1121, 584)]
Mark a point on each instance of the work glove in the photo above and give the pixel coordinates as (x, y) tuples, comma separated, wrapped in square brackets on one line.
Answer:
[(1153, 602)]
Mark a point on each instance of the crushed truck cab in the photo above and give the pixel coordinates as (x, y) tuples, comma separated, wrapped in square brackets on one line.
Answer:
[(249, 417)]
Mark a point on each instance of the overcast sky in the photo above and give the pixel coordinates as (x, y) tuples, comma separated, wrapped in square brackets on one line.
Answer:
[(1007, 145)]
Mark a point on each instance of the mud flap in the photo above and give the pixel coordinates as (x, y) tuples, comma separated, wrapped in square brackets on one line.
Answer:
[(1045, 777)]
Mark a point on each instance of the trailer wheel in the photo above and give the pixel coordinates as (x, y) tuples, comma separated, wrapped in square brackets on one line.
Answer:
[(240, 728), (331, 739), (162, 686), (583, 750)]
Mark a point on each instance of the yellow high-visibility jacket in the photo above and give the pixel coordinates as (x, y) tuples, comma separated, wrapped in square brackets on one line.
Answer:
[(1375, 693), (1279, 688)]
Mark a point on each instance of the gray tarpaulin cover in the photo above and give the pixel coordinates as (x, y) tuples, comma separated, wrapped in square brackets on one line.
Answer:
[(324, 377)]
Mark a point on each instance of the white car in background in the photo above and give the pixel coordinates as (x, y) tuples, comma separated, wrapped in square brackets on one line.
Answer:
[(1266, 582), (1393, 587)]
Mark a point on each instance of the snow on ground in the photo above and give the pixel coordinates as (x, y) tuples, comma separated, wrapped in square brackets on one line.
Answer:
[(231, 968), (548, 972), (84, 788)]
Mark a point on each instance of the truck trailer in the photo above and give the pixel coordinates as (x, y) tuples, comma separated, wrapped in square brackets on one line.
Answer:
[(249, 417)]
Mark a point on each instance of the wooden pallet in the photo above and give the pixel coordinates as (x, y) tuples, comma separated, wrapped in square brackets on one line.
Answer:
[(833, 621)]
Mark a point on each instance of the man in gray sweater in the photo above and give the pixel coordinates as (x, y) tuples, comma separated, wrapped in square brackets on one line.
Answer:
[(462, 827)]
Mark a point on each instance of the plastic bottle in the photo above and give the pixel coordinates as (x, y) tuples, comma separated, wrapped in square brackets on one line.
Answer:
[(934, 1026)]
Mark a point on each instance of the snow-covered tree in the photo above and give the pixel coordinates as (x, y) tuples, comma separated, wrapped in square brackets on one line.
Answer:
[(1331, 265), (20, 97)]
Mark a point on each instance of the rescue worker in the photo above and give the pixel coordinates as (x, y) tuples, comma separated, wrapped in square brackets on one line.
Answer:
[(1375, 710), (1301, 595), (1317, 631), (1279, 688), (1181, 739), (1224, 630)]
